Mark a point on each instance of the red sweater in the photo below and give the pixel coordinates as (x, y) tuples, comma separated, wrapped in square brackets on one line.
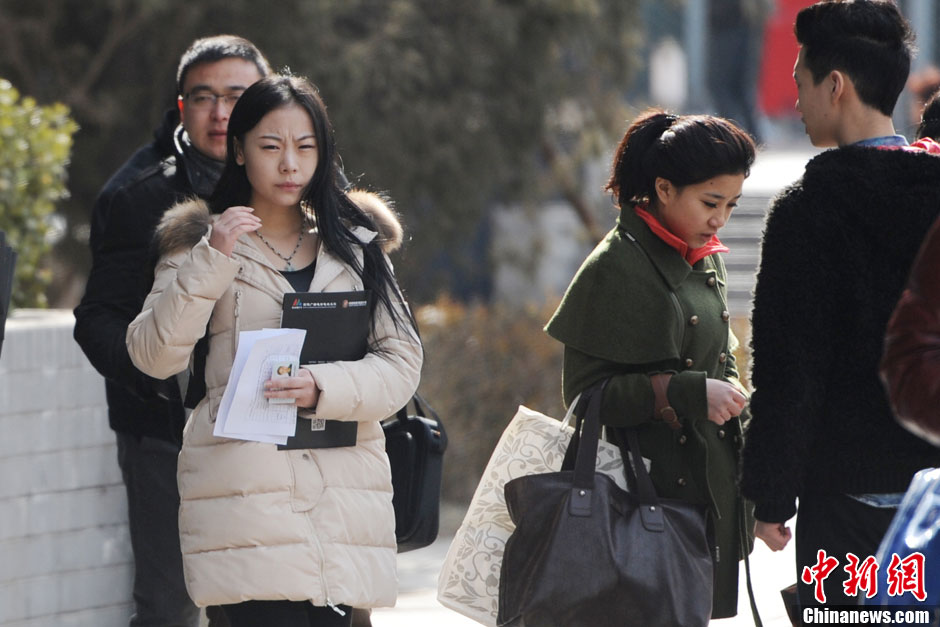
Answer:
[(910, 365)]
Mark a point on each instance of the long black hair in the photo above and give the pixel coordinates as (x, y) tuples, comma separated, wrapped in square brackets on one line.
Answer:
[(684, 150), (335, 214)]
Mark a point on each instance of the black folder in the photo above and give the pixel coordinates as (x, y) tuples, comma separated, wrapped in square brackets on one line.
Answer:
[(7, 265), (337, 326)]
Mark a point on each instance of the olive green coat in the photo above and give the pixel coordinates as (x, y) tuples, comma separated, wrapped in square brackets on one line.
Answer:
[(637, 308)]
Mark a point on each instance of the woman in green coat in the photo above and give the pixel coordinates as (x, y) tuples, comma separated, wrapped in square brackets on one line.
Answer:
[(648, 311)]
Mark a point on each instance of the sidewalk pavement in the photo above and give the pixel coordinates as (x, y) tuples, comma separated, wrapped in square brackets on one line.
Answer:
[(418, 606)]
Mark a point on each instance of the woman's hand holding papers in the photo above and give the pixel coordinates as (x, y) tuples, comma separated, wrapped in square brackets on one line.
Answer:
[(302, 388)]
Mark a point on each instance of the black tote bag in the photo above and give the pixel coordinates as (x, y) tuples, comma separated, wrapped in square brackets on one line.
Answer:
[(587, 553)]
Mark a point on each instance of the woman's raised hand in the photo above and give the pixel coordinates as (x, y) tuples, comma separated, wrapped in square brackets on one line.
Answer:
[(724, 401), (233, 222)]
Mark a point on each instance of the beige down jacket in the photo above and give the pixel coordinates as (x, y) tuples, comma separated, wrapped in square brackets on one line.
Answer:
[(257, 523)]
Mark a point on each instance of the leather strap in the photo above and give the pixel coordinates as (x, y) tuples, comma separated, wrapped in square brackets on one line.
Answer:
[(651, 514), (661, 408), (747, 564), (580, 499)]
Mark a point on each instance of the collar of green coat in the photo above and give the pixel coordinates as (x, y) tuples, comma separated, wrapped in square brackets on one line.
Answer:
[(664, 257), (618, 306)]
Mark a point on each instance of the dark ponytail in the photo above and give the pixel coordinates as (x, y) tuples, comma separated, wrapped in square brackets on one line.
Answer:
[(930, 118), (683, 150), (627, 179)]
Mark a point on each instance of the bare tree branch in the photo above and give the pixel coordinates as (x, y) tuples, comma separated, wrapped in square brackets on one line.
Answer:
[(52, 15), (561, 173), (121, 28), (13, 49)]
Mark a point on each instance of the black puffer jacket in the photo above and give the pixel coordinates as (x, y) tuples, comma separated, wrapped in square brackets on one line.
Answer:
[(122, 224), (837, 249)]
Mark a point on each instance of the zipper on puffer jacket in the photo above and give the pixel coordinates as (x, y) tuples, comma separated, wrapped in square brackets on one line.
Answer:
[(236, 325), (323, 582)]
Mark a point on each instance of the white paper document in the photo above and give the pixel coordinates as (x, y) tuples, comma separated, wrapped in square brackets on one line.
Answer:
[(244, 413)]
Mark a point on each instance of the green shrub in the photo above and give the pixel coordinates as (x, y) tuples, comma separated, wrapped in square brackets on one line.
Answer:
[(35, 143)]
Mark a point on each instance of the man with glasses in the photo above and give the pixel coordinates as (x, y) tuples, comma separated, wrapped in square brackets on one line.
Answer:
[(185, 158)]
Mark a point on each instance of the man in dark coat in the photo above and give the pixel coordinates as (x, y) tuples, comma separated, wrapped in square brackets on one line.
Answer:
[(185, 159), (836, 251)]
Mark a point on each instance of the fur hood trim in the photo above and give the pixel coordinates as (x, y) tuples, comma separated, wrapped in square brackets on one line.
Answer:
[(387, 223), (186, 222), (182, 226)]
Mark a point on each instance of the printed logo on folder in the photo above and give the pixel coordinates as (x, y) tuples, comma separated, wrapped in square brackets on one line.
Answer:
[(332, 302)]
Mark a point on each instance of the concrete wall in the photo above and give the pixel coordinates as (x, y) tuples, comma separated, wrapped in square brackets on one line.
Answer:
[(65, 556)]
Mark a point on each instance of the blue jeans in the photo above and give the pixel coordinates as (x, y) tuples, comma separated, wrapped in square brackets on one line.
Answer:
[(148, 466)]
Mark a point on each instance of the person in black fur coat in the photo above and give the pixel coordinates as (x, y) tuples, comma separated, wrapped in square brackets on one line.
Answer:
[(836, 251)]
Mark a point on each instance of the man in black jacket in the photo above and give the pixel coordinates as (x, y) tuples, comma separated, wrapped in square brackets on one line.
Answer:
[(185, 159), (836, 252)]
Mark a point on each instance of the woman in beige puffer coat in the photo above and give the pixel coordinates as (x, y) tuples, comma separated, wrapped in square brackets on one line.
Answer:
[(265, 532)]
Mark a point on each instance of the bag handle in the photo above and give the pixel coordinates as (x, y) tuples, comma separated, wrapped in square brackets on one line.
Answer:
[(570, 413), (583, 447), (576, 409), (425, 413), (422, 409), (650, 512)]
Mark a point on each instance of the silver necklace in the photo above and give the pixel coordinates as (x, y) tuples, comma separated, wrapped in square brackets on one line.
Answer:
[(290, 267)]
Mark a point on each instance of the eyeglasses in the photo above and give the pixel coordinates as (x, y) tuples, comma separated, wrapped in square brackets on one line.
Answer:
[(208, 99)]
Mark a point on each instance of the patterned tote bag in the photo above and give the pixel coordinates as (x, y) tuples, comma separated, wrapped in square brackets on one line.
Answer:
[(533, 443)]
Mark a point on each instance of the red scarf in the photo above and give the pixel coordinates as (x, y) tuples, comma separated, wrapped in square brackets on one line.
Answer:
[(691, 255), (927, 145)]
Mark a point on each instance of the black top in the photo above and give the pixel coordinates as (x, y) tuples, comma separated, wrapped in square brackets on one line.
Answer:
[(300, 279)]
